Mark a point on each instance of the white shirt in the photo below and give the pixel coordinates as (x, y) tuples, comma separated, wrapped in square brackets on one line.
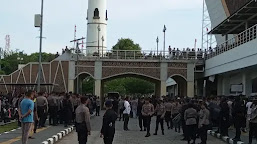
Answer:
[(248, 106), (127, 107)]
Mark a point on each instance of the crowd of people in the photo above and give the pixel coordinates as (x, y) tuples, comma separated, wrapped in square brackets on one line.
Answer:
[(57, 108), (194, 116)]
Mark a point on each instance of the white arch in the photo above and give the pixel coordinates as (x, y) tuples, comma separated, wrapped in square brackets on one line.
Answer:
[(178, 75), (84, 73)]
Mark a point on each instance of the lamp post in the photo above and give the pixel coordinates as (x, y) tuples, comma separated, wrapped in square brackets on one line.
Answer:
[(157, 41), (102, 46), (99, 29), (19, 59), (40, 47), (164, 30)]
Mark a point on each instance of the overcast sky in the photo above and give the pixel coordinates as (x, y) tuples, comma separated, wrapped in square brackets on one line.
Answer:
[(140, 20)]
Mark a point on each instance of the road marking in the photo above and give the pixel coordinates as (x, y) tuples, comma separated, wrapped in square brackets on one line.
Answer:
[(19, 137)]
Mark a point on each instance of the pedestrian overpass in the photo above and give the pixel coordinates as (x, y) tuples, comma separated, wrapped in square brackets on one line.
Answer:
[(67, 71)]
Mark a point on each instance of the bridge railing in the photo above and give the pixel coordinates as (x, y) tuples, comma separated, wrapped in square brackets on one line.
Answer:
[(242, 38), (151, 55)]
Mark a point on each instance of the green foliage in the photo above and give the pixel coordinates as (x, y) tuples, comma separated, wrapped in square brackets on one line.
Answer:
[(10, 62), (88, 86), (129, 85), (126, 44)]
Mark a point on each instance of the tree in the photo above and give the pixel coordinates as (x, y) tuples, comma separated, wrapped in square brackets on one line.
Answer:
[(126, 44), (10, 62), (129, 85)]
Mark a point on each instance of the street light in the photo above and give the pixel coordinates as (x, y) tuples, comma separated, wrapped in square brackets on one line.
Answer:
[(20, 59), (164, 30), (102, 46), (99, 29), (157, 41), (40, 47)]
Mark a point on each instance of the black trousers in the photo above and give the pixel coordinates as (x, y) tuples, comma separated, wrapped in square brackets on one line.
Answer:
[(98, 111), (121, 115), (168, 119), (35, 125), (82, 133), (126, 120), (141, 121), (203, 134), (53, 111), (41, 115), (191, 132), (108, 140), (252, 132), (159, 120), (238, 132), (147, 123)]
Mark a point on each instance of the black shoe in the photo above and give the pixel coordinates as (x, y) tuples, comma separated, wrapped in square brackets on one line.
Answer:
[(141, 129), (162, 132), (155, 134), (147, 135)]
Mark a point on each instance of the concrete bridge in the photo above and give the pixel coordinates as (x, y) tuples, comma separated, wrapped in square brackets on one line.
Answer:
[(67, 72)]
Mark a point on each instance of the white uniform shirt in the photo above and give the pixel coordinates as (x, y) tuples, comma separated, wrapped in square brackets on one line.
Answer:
[(248, 106), (127, 107)]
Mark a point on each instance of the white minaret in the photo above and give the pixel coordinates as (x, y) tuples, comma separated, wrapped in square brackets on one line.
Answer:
[(97, 17)]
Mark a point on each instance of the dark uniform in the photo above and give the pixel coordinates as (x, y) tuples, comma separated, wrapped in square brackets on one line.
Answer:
[(82, 123), (108, 127)]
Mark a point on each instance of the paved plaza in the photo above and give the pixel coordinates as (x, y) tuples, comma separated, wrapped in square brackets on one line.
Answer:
[(134, 136)]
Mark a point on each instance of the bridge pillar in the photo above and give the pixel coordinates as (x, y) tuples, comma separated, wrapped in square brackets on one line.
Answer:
[(190, 80), (225, 86), (247, 84), (163, 77), (72, 75), (98, 81)]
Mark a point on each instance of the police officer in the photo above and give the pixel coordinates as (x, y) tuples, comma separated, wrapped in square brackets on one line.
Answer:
[(147, 112), (83, 127), (160, 112), (168, 111), (42, 108), (53, 109), (108, 126)]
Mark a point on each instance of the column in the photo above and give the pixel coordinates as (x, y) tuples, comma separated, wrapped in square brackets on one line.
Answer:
[(163, 88), (190, 89), (98, 85), (220, 85), (163, 78), (247, 84), (190, 79), (98, 80), (71, 76), (70, 85), (225, 86)]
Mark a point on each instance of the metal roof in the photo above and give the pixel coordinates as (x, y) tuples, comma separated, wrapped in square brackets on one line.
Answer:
[(235, 23)]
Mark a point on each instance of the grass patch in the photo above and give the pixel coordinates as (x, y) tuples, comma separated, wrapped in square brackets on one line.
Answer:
[(8, 127)]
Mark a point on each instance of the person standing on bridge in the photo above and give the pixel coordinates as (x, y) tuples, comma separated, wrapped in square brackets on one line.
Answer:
[(147, 112), (83, 127), (108, 126), (26, 115)]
